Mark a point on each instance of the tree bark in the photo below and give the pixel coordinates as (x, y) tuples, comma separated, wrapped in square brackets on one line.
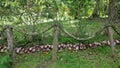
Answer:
[(55, 43), (10, 45)]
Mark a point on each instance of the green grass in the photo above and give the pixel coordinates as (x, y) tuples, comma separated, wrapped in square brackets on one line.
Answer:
[(99, 57), (5, 60)]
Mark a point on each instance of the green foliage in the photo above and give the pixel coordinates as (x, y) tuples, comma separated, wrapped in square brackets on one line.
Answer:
[(5, 61), (66, 40)]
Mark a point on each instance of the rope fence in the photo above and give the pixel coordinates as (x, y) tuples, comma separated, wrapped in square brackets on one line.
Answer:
[(63, 30), (33, 33), (96, 33), (116, 30), (3, 29), (56, 26)]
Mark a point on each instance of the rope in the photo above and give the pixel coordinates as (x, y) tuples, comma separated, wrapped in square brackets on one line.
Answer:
[(65, 31), (115, 30), (113, 27), (80, 39), (2, 30), (32, 33), (96, 33)]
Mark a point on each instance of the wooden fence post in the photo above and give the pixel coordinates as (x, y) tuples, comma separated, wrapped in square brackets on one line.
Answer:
[(10, 45), (111, 18), (112, 44), (55, 42)]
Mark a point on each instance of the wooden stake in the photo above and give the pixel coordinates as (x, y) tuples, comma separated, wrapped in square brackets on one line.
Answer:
[(111, 40), (55, 43), (10, 44)]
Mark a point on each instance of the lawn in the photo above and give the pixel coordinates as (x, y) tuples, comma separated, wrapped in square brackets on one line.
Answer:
[(99, 57)]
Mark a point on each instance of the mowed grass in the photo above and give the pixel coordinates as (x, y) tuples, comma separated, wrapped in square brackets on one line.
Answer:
[(99, 57)]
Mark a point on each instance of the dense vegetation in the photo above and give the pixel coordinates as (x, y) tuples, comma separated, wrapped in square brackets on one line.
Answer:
[(25, 23)]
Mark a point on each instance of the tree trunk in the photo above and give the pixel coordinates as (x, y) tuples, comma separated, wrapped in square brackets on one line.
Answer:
[(10, 45), (55, 43)]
